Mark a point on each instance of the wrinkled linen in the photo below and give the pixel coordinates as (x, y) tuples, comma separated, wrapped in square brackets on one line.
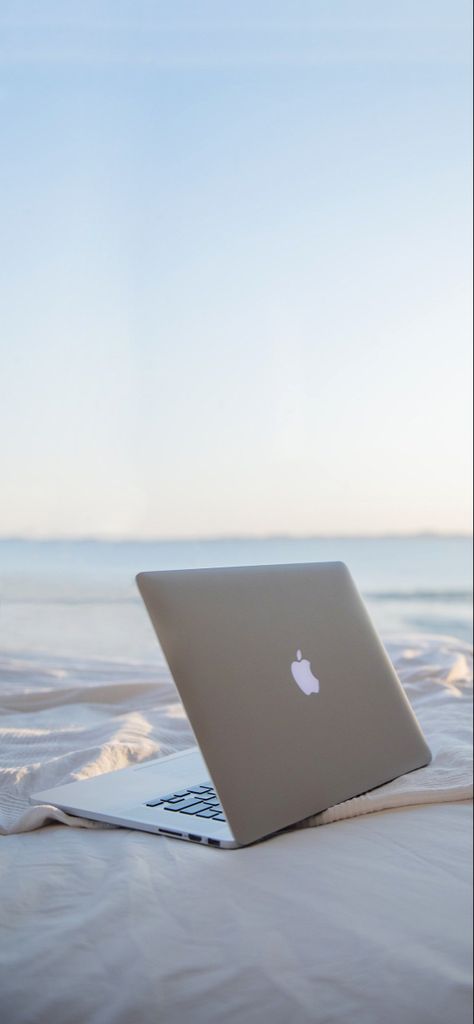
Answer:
[(63, 722), (365, 921)]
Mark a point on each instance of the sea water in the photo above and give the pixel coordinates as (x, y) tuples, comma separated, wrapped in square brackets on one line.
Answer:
[(78, 598)]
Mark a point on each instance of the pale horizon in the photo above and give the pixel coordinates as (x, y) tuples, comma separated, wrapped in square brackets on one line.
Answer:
[(197, 538)]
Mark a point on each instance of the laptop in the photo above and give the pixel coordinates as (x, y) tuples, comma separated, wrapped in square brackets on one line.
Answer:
[(293, 701)]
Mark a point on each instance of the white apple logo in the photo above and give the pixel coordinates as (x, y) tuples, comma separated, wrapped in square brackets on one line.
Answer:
[(302, 674)]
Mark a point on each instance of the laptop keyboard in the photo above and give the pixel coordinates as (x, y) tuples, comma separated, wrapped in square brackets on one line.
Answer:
[(197, 801)]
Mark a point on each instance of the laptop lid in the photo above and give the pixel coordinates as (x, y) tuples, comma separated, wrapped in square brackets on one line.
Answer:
[(290, 693)]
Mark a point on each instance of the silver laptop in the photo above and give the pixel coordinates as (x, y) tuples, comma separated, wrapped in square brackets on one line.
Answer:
[(292, 698)]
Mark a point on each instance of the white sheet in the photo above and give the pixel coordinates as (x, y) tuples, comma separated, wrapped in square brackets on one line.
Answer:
[(365, 920)]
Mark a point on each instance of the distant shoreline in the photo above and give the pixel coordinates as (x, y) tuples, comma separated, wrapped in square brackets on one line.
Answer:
[(238, 538)]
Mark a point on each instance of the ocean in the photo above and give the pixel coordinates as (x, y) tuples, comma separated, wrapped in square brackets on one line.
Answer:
[(77, 599)]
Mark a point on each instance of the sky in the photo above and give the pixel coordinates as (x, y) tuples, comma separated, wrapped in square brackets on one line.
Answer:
[(235, 244)]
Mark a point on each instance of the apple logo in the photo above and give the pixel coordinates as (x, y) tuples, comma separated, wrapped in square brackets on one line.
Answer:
[(302, 674)]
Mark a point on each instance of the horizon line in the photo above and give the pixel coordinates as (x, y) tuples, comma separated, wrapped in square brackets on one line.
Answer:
[(239, 537)]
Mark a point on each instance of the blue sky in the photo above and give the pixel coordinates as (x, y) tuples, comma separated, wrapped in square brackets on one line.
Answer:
[(235, 294)]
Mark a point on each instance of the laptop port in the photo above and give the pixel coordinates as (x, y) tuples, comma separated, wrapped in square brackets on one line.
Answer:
[(194, 839), (213, 842)]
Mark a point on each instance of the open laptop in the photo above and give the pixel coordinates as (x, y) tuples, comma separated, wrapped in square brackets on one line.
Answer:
[(292, 698)]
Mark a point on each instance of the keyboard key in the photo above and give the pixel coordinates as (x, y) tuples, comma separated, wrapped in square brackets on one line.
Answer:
[(181, 799), (189, 809), (219, 817), (208, 812), (184, 804)]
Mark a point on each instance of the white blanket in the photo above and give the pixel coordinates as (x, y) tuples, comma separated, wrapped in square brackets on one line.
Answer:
[(65, 722), (364, 921)]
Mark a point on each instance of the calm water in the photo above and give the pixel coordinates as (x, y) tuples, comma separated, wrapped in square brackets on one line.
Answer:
[(78, 598)]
